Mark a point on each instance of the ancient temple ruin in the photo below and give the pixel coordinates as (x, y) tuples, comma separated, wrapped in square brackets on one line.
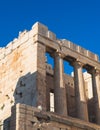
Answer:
[(35, 95)]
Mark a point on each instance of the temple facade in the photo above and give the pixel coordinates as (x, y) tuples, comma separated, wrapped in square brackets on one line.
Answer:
[(36, 95)]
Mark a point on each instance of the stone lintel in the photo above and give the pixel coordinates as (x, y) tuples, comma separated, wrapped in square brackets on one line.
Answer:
[(67, 52), (43, 31)]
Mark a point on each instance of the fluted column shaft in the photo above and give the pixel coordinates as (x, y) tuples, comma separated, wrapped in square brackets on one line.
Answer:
[(59, 87), (96, 93), (81, 103)]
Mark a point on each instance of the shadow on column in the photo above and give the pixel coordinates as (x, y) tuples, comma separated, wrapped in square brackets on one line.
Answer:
[(91, 110)]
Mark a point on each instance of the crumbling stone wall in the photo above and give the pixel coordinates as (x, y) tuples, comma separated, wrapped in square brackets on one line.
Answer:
[(17, 73), (19, 61), (29, 118), (26, 78)]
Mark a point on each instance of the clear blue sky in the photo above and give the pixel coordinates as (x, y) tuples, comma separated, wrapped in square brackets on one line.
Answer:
[(75, 20)]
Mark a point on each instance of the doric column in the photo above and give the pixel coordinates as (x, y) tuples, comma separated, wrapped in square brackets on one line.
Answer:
[(59, 87), (81, 103), (96, 93)]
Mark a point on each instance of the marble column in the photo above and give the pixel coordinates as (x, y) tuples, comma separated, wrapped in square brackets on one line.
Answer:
[(96, 93), (59, 87), (80, 96)]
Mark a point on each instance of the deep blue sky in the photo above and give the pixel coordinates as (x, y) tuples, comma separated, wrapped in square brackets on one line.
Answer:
[(75, 20)]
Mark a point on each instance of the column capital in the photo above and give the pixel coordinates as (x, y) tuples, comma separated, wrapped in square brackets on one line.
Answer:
[(59, 53), (94, 71), (76, 63)]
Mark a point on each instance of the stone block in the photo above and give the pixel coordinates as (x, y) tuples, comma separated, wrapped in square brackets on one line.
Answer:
[(55, 128), (40, 29), (51, 35)]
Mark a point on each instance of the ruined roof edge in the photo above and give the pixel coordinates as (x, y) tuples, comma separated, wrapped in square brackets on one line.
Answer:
[(41, 29)]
